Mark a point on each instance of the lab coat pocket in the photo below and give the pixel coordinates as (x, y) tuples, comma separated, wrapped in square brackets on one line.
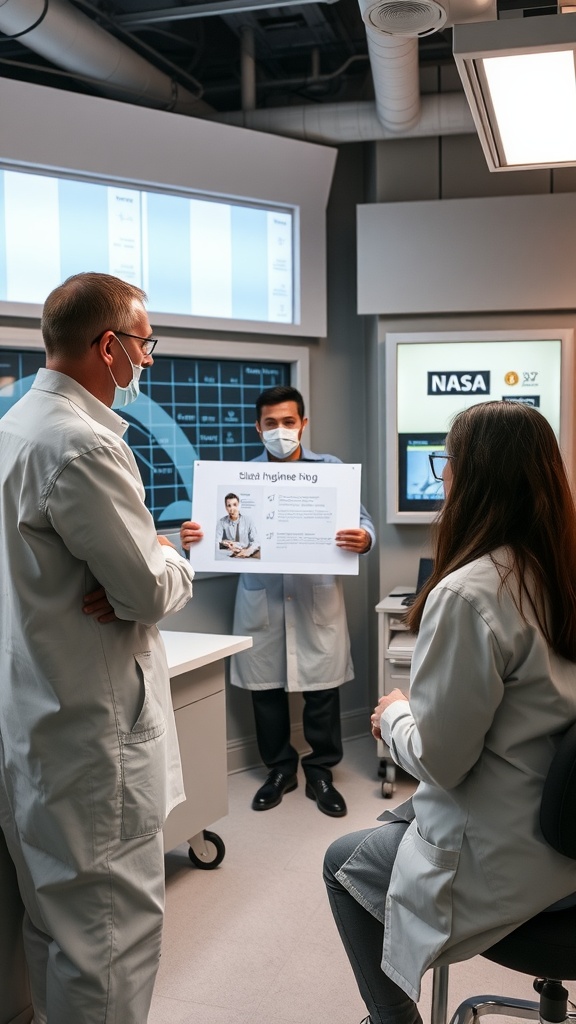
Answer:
[(143, 753), (253, 615), (327, 605), (419, 905)]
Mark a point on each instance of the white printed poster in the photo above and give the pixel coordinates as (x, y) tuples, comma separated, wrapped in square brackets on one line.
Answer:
[(275, 517)]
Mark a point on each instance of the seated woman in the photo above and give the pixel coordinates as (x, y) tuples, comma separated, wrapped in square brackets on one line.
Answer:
[(492, 689)]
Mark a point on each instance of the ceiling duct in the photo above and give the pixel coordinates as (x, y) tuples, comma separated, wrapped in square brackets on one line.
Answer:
[(405, 17), (337, 123), (66, 37), (393, 28), (396, 78)]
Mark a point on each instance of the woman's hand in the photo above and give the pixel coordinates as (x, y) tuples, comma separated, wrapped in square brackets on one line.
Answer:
[(383, 703), (189, 534)]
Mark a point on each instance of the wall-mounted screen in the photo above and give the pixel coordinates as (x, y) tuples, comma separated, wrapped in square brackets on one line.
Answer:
[(191, 407), (418, 489), (431, 377), (194, 255)]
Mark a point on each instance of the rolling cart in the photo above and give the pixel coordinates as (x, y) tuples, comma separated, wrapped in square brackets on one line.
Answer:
[(197, 681), (395, 649)]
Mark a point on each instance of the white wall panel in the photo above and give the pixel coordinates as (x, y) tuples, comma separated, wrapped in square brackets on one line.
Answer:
[(495, 254)]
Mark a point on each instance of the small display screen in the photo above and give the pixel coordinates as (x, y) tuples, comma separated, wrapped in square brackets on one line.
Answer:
[(419, 491)]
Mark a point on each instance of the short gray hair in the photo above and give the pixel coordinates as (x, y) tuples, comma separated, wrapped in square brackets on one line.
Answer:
[(83, 307)]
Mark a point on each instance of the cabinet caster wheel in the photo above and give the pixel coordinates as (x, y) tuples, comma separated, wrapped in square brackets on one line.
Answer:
[(208, 850), (387, 772)]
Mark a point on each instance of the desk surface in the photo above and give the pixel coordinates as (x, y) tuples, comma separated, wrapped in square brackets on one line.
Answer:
[(393, 601), (187, 651)]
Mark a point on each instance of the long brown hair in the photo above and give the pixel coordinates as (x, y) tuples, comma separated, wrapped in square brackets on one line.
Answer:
[(510, 489)]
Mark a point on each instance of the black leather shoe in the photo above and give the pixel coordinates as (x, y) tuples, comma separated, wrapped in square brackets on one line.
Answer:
[(329, 800), (271, 793)]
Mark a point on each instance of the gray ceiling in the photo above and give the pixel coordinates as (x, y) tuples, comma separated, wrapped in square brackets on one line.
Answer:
[(305, 53)]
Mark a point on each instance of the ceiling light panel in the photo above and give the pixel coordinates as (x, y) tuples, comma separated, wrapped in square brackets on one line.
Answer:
[(519, 76)]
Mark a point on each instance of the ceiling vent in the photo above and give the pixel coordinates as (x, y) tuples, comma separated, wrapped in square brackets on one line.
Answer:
[(405, 17)]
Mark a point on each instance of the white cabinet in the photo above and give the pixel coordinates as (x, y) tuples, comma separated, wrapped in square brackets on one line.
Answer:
[(395, 641), (395, 648), (196, 664)]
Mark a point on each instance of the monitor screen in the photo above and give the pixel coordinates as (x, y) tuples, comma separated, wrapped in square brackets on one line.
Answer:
[(194, 255), (418, 489), (432, 377), (188, 409)]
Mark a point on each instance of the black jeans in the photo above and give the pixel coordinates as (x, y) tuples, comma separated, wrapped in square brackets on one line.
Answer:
[(321, 722)]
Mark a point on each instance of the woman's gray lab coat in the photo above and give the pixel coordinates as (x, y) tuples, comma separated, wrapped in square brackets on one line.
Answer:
[(489, 701)]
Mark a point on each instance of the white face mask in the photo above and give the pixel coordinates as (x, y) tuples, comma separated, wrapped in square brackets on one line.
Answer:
[(281, 443), (124, 396)]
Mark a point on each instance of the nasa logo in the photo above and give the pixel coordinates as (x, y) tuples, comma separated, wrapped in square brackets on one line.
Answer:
[(511, 378), (452, 382)]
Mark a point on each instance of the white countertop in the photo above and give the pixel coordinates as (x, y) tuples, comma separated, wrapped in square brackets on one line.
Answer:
[(187, 651), (393, 601)]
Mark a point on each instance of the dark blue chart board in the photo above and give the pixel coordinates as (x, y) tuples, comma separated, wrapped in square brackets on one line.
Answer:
[(189, 408)]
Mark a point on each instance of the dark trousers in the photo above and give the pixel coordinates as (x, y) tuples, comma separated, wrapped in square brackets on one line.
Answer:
[(361, 933), (321, 722)]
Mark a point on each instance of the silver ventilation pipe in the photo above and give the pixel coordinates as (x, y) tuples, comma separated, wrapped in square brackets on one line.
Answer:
[(336, 123), (392, 31), (395, 74), (393, 28), (66, 37)]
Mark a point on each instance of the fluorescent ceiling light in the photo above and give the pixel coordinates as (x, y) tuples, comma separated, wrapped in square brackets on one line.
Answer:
[(520, 80)]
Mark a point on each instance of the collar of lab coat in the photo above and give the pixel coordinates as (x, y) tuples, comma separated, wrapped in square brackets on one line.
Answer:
[(62, 384)]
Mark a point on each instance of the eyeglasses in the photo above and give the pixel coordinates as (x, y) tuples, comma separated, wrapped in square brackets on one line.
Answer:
[(148, 346), (149, 343), (438, 462)]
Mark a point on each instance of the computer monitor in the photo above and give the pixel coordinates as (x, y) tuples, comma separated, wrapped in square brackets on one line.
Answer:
[(418, 489), (425, 570)]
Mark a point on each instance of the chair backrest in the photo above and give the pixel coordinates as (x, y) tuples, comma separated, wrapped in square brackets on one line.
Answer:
[(558, 807)]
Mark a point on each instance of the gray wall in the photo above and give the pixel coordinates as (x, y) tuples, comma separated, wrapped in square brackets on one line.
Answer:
[(434, 171), (338, 421)]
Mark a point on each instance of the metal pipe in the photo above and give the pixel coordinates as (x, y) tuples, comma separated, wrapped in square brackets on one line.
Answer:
[(248, 68), (220, 7), (62, 34), (334, 123)]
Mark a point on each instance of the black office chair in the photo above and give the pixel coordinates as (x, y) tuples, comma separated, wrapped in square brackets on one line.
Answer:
[(545, 946)]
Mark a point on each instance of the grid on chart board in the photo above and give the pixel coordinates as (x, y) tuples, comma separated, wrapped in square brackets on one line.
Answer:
[(189, 409)]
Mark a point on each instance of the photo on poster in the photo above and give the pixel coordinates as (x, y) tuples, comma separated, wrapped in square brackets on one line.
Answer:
[(237, 535)]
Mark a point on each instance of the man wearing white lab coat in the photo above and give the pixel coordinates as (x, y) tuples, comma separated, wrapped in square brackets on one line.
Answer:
[(300, 635), (89, 762)]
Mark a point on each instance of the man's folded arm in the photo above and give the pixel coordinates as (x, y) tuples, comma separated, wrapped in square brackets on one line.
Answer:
[(97, 508)]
